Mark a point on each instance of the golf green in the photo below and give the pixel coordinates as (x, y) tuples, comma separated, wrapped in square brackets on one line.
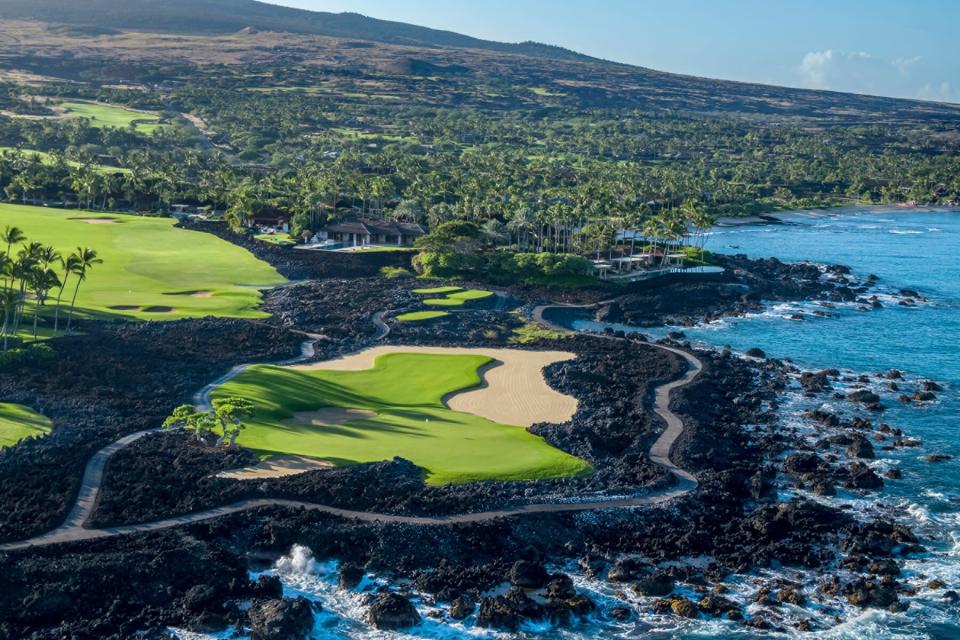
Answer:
[(420, 316), (151, 270), (109, 116), (18, 422), (403, 395), (458, 298)]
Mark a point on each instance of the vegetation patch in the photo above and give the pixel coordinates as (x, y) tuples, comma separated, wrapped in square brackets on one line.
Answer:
[(420, 316), (530, 332), (395, 272), (104, 116), (144, 259), (459, 298), (18, 422), (437, 290), (405, 391)]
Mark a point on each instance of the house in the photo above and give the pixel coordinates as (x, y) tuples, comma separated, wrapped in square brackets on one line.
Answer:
[(362, 232), (269, 217)]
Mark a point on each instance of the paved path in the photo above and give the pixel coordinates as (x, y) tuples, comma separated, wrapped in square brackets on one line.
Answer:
[(73, 530)]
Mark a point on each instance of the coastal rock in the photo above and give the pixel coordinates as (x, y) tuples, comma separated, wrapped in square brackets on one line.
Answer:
[(508, 611), (716, 605), (863, 396), (860, 447), (755, 352), (461, 608), (659, 584), (285, 619), (678, 606), (939, 457), (350, 576), (871, 593), (391, 611), (862, 477), (528, 575)]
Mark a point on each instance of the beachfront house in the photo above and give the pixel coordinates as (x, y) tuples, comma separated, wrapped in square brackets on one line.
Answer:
[(363, 232)]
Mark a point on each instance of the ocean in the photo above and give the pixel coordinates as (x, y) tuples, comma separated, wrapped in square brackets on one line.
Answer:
[(905, 249)]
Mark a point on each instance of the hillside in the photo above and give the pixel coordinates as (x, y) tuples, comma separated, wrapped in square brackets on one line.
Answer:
[(199, 17)]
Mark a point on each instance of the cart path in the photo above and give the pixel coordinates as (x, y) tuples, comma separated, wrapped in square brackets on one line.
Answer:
[(73, 527)]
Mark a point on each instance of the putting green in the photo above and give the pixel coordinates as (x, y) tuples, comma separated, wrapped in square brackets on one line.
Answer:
[(18, 422), (405, 391), (150, 269), (437, 290), (104, 116), (419, 316), (459, 298)]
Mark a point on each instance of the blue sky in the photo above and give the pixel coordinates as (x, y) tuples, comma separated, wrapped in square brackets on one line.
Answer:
[(905, 48)]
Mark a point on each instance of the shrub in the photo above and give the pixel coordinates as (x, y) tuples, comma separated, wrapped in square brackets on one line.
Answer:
[(395, 272), (38, 354)]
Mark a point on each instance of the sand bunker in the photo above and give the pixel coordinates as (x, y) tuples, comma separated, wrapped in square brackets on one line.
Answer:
[(124, 307), (200, 293), (157, 309), (514, 392), (331, 416), (96, 220), (276, 467)]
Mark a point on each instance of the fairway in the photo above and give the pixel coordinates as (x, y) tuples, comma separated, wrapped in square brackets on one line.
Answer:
[(150, 269), (404, 392), (18, 422), (421, 316), (456, 297), (108, 116)]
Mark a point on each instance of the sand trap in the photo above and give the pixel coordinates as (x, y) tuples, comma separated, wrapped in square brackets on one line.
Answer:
[(158, 309), (331, 416), (276, 467), (193, 294), (96, 220), (124, 307), (515, 391)]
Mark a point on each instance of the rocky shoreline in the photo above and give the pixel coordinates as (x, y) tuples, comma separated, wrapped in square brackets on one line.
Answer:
[(502, 572)]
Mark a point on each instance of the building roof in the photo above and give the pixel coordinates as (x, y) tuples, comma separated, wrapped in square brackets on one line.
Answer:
[(376, 227)]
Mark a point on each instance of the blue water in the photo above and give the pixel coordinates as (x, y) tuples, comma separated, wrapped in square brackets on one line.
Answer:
[(905, 250)]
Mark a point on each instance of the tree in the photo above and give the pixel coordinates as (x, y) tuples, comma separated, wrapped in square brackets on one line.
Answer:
[(84, 259), (229, 414), (186, 416)]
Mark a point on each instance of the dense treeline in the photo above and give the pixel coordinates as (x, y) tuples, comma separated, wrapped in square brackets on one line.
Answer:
[(537, 172)]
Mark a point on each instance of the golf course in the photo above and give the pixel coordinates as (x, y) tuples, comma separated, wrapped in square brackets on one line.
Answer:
[(151, 270), (453, 296), (18, 422), (396, 407), (105, 116)]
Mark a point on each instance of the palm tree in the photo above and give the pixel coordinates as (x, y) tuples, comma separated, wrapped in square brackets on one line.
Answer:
[(68, 265), (85, 259), (41, 281), (11, 236), (8, 300)]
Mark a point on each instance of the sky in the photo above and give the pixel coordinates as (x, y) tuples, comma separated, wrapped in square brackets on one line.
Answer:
[(899, 48)]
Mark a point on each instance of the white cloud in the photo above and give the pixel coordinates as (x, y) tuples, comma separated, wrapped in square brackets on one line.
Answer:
[(861, 72)]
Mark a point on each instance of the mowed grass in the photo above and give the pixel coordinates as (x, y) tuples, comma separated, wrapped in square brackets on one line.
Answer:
[(109, 116), (458, 298), (18, 422), (405, 390), (420, 316), (437, 290), (48, 159), (151, 270)]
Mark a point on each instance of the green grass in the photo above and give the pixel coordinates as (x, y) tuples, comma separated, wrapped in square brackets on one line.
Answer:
[(48, 159), (18, 422), (282, 239), (405, 390), (420, 316), (459, 298), (529, 333), (150, 266), (103, 116), (437, 290), (395, 272)]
